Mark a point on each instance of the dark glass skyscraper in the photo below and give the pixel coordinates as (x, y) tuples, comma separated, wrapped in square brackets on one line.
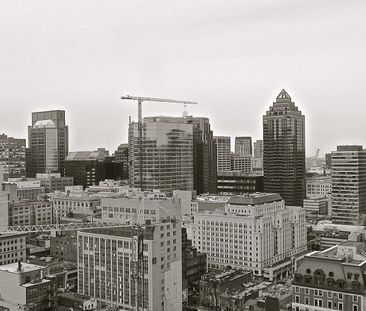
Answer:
[(284, 150), (204, 156), (48, 143)]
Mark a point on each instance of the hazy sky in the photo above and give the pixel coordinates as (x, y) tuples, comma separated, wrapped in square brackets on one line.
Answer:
[(233, 57)]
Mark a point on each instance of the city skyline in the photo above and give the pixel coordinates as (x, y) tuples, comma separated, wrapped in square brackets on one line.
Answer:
[(237, 56)]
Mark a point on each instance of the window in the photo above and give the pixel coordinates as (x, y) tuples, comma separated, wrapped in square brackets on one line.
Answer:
[(355, 307), (297, 299), (329, 294), (297, 289), (340, 306), (340, 296), (355, 298), (306, 300), (329, 304)]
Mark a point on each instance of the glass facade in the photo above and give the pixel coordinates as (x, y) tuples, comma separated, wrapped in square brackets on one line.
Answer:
[(284, 150), (166, 161)]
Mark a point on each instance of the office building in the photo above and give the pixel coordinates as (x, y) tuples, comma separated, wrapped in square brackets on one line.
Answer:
[(121, 156), (105, 263), (74, 201), (316, 207), (318, 185), (48, 143), (30, 213), (258, 149), (242, 163), (328, 161), (331, 279), (223, 145), (256, 232), (349, 185), (26, 189), (24, 286), (204, 155), (243, 145), (166, 161), (284, 150), (63, 246), (53, 182), (231, 183), (12, 156), (13, 247), (90, 167)]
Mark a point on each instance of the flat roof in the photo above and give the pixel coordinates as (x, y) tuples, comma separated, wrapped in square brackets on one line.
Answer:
[(254, 198), (26, 267)]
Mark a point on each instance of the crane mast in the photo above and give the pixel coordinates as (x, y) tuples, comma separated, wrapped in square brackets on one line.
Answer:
[(137, 262)]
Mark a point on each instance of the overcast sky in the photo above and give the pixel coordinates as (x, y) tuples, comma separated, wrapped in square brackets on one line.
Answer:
[(233, 57)]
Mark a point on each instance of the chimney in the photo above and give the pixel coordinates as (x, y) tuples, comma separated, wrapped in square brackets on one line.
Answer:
[(19, 265)]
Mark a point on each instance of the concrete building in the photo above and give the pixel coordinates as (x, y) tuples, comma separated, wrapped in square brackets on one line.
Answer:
[(231, 183), (284, 150), (90, 167), (316, 208), (256, 231), (23, 286), (48, 143), (63, 246), (75, 301), (12, 156), (30, 213), (167, 159), (54, 182), (332, 279), (26, 189), (242, 163), (243, 145), (12, 247), (258, 149), (4, 208), (349, 185), (105, 266), (73, 201), (318, 185), (223, 144)]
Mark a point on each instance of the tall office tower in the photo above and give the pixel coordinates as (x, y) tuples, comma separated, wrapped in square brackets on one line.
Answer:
[(258, 149), (284, 150), (349, 185), (12, 156), (204, 156), (165, 160), (48, 143), (328, 161), (223, 144), (256, 231), (243, 145), (121, 155), (106, 266)]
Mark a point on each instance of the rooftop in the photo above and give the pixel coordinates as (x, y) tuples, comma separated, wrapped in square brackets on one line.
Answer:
[(254, 198), (25, 267)]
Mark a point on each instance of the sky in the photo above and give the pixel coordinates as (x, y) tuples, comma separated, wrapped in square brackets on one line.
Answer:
[(232, 57)]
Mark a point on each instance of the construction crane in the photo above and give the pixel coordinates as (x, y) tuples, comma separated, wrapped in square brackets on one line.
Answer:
[(140, 100)]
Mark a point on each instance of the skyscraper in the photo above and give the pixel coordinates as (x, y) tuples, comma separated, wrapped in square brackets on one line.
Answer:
[(349, 185), (204, 156), (223, 144), (284, 150), (166, 161), (48, 143), (243, 145), (12, 156)]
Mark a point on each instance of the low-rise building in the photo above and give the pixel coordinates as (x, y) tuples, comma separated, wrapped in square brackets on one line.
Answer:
[(75, 301), (30, 213), (24, 286), (63, 246), (13, 247), (53, 181), (316, 208), (332, 279), (73, 201)]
